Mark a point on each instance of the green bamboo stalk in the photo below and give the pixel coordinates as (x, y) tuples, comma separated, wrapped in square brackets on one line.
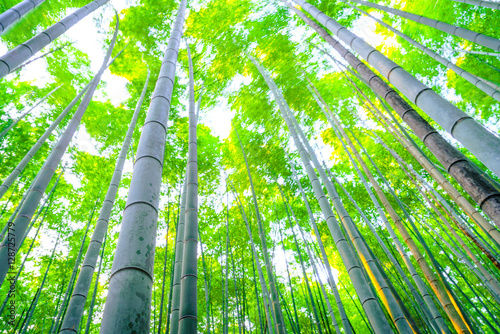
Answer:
[(77, 302), (179, 244), (444, 293), (297, 324), (37, 296), (349, 258), (331, 281), (277, 313), (405, 140), (255, 258), (129, 292), (301, 260), (96, 285), (69, 289), (45, 174), (164, 271), (389, 300), (188, 306)]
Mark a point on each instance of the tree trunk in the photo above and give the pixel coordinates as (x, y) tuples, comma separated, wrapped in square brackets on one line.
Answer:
[(76, 305), (12, 59), (485, 86), (188, 315), (131, 281), (277, 312), (481, 142), (425, 162), (37, 296), (96, 285), (331, 281), (469, 35), (390, 303), (351, 262), (48, 169), (485, 4), (15, 13)]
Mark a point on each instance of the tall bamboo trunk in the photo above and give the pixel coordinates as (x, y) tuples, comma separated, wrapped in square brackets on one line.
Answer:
[(255, 258), (484, 85), (343, 317), (37, 297), (472, 36), (179, 244), (480, 3), (45, 174), (188, 315), (449, 307), (160, 317), (76, 305), (96, 285), (479, 140), (277, 312), (67, 295), (386, 295), (27, 158), (302, 265), (413, 176), (23, 115), (11, 15), (351, 262), (436, 317), (12, 59), (131, 281), (425, 162)]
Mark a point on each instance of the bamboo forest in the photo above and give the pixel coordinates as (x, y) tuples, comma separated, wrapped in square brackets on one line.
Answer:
[(250, 166)]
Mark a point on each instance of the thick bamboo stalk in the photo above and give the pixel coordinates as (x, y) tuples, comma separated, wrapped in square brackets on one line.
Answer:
[(485, 86), (130, 285), (15, 57), (417, 153), (473, 36), (14, 123), (370, 303), (412, 176), (485, 4), (11, 15), (76, 305), (188, 315), (479, 140), (45, 174)]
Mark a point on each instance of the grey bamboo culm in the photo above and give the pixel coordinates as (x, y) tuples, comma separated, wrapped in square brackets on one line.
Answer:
[(47, 171), (76, 305), (12, 59), (132, 270), (11, 15), (477, 139)]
